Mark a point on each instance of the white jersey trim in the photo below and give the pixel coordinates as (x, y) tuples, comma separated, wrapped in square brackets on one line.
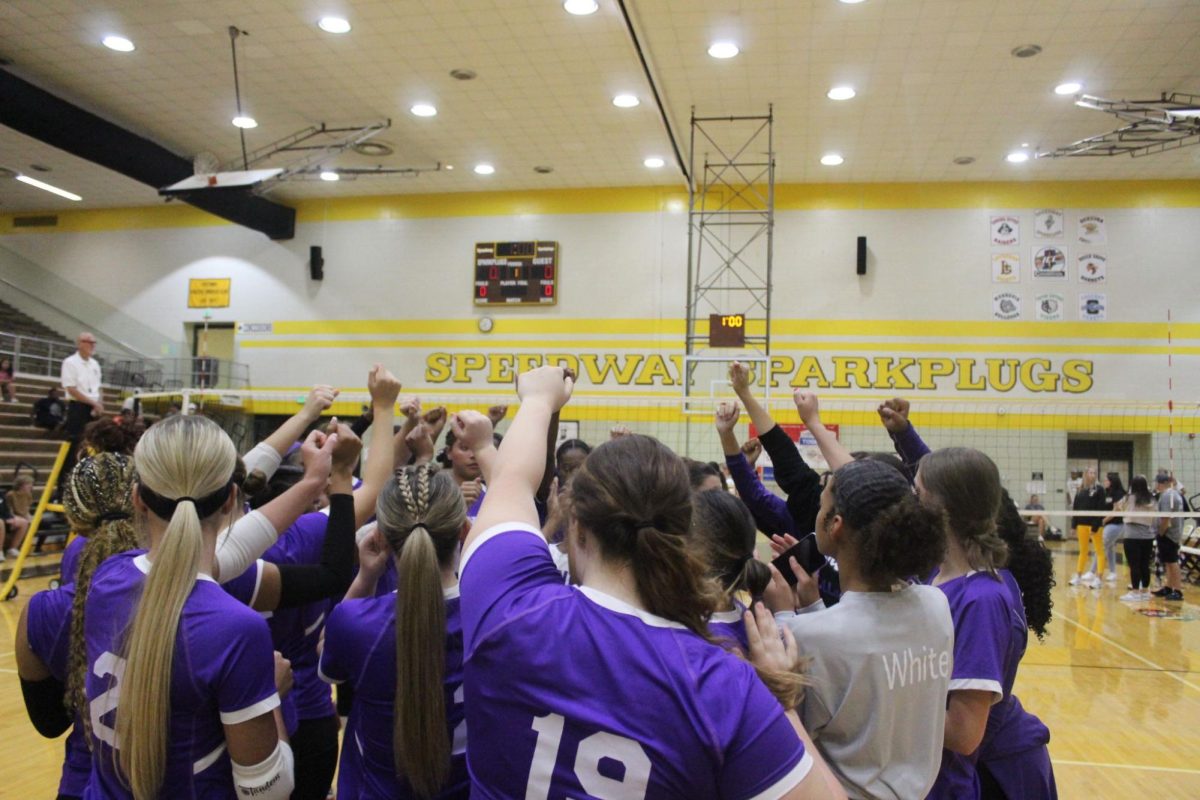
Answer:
[(143, 564), (309, 630), (208, 760), (726, 616), (451, 592), (257, 581), (321, 674), (493, 532), (789, 781), (978, 685), (250, 712), (621, 607)]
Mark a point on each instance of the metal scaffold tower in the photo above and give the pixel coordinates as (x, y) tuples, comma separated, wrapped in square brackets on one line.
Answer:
[(731, 226)]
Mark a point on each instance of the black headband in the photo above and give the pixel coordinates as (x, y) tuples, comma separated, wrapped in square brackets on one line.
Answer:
[(164, 507), (113, 516)]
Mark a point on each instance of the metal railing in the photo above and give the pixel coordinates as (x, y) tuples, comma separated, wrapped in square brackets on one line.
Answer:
[(169, 374), (33, 355)]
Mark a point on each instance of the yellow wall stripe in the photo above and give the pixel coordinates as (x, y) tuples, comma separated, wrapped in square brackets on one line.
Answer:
[(633, 413), (782, 348), (788, 197), (954, 329)]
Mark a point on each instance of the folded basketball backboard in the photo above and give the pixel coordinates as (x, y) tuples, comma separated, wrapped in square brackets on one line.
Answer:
[(221, 180)]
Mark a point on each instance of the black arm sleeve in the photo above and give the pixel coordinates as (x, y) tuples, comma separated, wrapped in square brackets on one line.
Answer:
[(791, 473), (44, 702), (300, 584)]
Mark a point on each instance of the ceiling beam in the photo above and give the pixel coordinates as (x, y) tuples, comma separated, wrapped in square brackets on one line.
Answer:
[(37, 113)]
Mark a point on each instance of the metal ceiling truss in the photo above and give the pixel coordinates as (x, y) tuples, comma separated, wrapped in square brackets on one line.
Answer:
[(1154, 126), (317, 145)]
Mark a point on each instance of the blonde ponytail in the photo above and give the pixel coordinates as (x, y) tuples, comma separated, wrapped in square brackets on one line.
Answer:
[(422, 751), (181, 458), (421, 513)]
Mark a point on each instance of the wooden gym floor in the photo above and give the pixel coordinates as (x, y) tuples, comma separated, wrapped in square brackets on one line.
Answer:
[(1119, 689)]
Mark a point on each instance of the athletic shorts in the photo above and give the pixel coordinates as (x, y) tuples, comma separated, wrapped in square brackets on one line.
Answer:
[(1168, 550)]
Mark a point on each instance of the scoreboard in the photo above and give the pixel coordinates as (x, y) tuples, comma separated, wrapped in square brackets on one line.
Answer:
[(516, 273)]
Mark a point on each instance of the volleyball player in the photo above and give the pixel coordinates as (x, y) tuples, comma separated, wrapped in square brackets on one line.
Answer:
[(724, 536), (402, 653), (880, 659), (181, 684), (96, 498), (982, 714), (613, 689), (308, 710)]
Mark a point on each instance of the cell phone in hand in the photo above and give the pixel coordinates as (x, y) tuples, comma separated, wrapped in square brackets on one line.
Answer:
[(806, 554)]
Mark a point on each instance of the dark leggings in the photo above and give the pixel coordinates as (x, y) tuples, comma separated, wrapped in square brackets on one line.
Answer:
[(315, 750), (1138, 553)]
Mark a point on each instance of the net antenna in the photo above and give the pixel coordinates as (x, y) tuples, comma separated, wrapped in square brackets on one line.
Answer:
[(731, 226)]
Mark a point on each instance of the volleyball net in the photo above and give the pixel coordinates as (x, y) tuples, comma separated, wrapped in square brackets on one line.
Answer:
[(1041, 447)]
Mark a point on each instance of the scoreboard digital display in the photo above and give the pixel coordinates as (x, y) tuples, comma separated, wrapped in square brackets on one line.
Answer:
[(727, 330), (516, 273)]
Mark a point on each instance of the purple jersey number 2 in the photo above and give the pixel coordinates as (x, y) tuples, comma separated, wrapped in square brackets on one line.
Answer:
[(587, 762)]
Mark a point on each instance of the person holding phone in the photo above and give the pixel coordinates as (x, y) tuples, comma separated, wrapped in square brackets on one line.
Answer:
[(881, 659)]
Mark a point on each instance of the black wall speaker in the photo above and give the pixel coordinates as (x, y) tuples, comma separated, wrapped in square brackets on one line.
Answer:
[(316, 263), (862, 255)]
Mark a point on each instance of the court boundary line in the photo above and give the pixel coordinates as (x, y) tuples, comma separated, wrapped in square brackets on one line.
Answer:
[(1110, 765), (1127, 651)]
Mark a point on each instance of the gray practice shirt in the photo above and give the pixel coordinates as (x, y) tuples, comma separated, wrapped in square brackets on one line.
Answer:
[(881, 665), (1171, 500)]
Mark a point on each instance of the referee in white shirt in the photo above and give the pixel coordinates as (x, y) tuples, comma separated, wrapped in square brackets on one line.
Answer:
[(81, 382)]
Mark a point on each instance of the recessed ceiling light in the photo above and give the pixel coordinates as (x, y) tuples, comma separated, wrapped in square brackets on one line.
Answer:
[(840, 93), (654, 162), (1024, 144), (723, 50), (626, 101), (581, 8), (831, 159), (1026, 50), (423, 110), (963, 161), (39, 168), (1068, 88), (45, 187), (1017, 157), (118, 43), (245, 122), (851, 2), (484, 169), (543, 169), (462, 74), (449, 166), (330, 175), (334, 25)]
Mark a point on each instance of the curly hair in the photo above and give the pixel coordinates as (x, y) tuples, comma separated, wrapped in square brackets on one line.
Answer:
[(98, 502), (1030, 564), (108, 435)]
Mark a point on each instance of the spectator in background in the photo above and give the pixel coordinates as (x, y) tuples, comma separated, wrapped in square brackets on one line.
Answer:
[(50, 411), (81, 381), (18, 503), (6, 380), (1035, 504), (1170, 536)]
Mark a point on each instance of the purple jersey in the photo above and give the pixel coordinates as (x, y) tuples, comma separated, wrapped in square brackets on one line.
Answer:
[(48, 626), (572, 692), (360, 647), (296, 631), (223, 673), (70, 559), (989, 640), (1014, 744), (729, 628)]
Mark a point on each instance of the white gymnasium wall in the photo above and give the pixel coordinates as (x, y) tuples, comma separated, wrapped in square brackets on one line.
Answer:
[(929, 265)]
